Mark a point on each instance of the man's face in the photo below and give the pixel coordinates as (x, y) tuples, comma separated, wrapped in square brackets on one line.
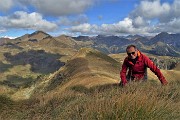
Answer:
[(132, 53)]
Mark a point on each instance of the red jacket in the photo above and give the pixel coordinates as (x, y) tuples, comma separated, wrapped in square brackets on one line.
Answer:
[(137, 70)]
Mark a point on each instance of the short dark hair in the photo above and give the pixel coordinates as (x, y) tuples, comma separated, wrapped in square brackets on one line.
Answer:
[(129, 46)]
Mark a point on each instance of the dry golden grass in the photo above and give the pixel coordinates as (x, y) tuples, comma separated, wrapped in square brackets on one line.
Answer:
[(146, 100), (39, 35), (88, 68), (136, 101), (86, 88)]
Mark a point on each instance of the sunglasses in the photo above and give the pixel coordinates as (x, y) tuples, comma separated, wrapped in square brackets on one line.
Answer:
[(129, 54)]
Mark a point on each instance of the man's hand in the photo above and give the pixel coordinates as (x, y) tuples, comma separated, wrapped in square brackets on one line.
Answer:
[(122, 84), (165, 83)]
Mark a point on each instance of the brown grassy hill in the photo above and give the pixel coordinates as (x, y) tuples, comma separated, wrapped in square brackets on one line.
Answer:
[(4, 40), (67, 41), (34, 37), (40, 40), (50, 41), (38, 35), (97, 65), (88, 68), (19, 68), (22, 38)]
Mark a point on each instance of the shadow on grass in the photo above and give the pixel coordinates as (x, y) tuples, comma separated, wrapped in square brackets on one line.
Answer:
[(14, 81), (4, 67), (40, 61), (12, 46)]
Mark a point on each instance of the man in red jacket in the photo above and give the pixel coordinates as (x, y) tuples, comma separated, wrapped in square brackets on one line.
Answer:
[(136, 63)]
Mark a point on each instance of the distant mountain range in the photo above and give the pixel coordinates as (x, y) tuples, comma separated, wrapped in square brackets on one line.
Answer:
[(163, 44)]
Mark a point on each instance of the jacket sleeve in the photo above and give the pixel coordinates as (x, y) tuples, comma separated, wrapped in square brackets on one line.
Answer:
[(123, 73), (155, 70)]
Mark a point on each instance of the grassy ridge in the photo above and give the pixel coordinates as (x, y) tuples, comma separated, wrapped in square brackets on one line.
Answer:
[(140, 101), (79, 97)]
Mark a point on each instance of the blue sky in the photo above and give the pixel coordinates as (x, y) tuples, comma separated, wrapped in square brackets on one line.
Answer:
[(89, 17)]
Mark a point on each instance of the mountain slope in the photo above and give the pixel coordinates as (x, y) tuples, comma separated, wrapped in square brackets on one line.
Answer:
[(160, 48), (37, 35), (161, 44), (88, 68), (171, 39)]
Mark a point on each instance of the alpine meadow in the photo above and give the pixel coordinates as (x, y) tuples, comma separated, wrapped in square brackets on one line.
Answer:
[(45, 77)]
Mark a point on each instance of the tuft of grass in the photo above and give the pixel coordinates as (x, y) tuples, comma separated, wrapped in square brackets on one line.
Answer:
[(137, 100), (132, 102)]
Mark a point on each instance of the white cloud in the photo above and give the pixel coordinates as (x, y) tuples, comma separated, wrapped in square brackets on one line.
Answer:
[(150, 16), (69, 21), (61, 7), (175, 23), (24, 20), (8, 37), (156, 16), (154, 9), (139, 22), (49, 7), (176, 8), (151, 9), (172, 26), (122, 27), (5, 5), (85, 28)]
